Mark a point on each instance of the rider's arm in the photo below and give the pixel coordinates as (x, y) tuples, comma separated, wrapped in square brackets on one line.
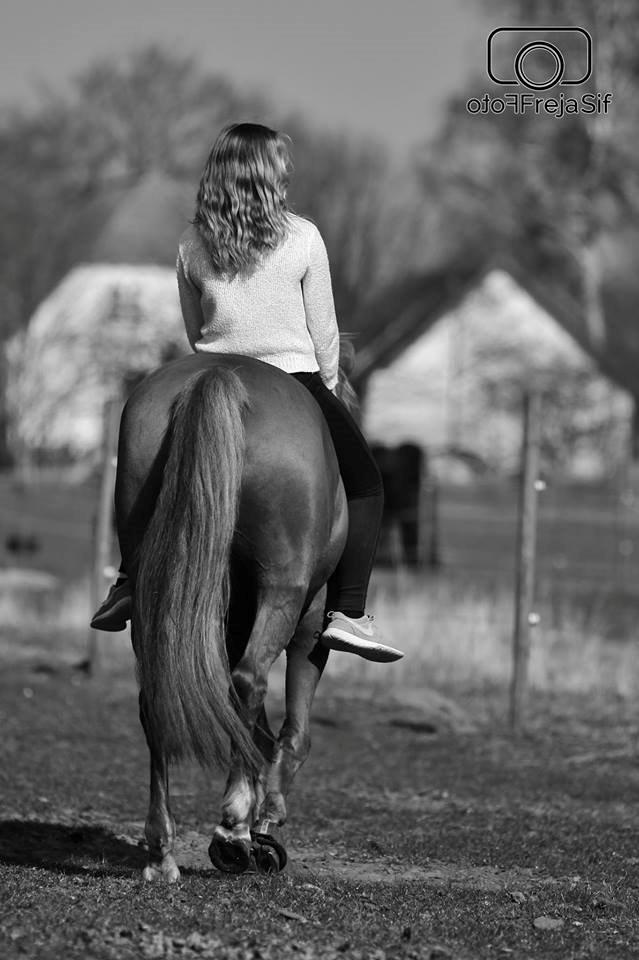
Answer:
[(190, 303), (320, 310)]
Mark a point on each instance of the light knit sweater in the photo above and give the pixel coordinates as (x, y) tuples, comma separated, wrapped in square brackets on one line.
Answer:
[(283, 313)]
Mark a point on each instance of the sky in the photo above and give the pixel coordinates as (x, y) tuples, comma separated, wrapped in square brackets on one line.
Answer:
[(376, 67)]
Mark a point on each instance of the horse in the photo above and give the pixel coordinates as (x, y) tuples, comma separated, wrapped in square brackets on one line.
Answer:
[(231, 517)]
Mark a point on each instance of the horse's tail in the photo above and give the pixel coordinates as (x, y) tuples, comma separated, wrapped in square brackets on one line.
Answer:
[(182, 584)]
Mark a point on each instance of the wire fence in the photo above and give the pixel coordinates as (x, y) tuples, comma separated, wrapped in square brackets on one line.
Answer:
[(566, 600), (588, 539)]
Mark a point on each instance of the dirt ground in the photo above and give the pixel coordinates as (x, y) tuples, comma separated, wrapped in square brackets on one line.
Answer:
[(419, 828)]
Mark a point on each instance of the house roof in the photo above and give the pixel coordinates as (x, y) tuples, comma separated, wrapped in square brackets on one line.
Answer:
[(145, 223), (409, 307)]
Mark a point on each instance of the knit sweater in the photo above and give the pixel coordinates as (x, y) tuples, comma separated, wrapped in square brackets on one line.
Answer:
[(282, 313)]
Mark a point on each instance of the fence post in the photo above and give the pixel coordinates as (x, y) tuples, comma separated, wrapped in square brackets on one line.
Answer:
[(526, 555), (102, 537), (434, 553)]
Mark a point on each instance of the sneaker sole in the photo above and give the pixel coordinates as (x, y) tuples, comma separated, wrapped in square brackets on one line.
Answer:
[(108, 625), (368, 649)]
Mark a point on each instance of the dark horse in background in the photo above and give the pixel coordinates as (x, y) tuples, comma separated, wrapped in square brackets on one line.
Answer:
[(231, 517)]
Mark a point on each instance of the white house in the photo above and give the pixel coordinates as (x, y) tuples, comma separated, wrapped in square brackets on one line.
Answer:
[(107, 321), (455, 385), (101, 325)]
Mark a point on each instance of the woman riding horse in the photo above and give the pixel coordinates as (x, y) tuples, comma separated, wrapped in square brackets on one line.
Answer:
[(254, 280), (231, 510)]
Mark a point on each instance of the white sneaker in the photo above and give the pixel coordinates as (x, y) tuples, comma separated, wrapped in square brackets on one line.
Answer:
[(358, 636)]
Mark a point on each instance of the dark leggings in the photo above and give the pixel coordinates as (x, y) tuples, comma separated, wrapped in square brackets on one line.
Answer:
[(362, 481)]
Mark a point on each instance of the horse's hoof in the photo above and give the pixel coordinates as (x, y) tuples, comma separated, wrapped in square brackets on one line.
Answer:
[(230, 854), (270, 856), (267, 859), (167, 872)]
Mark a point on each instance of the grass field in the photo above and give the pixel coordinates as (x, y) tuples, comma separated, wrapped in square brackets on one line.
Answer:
[(458, 633)]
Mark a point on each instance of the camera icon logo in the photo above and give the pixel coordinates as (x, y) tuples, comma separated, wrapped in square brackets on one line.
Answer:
[(539, 58)]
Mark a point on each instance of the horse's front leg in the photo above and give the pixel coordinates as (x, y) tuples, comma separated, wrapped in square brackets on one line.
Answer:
[(159, 828)]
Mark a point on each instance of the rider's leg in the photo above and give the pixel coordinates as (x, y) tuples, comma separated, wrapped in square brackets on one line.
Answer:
[(349, 628)]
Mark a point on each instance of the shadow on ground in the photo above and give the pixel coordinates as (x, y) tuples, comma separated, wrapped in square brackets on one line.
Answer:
[(85, 850)]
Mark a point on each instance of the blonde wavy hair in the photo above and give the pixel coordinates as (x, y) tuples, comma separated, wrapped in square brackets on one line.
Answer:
[(241, 209)]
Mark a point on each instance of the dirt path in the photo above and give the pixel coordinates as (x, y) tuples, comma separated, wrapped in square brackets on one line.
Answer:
[(307, 863), (417, 829)]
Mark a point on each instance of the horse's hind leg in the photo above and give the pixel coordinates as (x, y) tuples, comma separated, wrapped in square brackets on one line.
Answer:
[(274, 625), (160, 825), (266, 744), (305, 663)]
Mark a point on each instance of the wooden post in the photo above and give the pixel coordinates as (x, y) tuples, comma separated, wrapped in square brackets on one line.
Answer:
[(435, 553), (102, 540), (526, 556)]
